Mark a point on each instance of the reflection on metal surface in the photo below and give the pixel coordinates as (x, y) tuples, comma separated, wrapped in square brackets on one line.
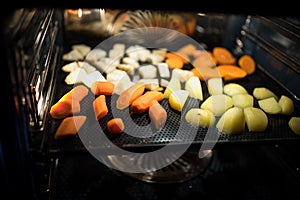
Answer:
[(186, 167)]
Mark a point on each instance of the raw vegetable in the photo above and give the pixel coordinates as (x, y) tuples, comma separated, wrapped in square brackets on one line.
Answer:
[(157, 114), (142, 103), (231, 72), (223, 56), (100, 107), (69, 126), (247, 63), (115, 126), (102, 88)]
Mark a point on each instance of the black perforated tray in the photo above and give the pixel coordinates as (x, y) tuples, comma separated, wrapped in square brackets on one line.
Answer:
[(176, 129)]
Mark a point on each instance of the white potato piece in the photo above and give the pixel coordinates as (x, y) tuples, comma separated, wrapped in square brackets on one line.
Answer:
[(294, 124), (270, 105), (193, 86), (173, 85), (234, 88), (200, 117), (232, 121), (75, 76), (243, 100), (177, 99), (217, 104), (286, 104), (72, 66), (256, 119), (90, 78), (215, 86), (263, 93), (150, 83)]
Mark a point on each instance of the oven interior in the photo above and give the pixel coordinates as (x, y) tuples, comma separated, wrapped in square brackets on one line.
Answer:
[(234, 167)]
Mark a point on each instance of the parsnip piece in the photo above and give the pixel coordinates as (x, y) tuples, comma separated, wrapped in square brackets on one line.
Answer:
[(148, 71), (95, 55), (75, 76), (82, 48), (90, 78), (150, 83), (73, 55), (163, 70), (232, 121), (270, 105)]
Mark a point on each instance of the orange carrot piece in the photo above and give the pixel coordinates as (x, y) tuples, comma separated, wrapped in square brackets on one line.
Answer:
[(126, 97), (100, 107), (102, 87), (223, 56), (247, 63), (231, 72), (174, 62), (204, 73), (77, 93), (143, 103), (204, 59), (64, 108), (69, 126), (157, 114), (115, 126)]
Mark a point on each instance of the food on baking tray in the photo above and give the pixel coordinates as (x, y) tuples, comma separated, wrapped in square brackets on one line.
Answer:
[(69, 103), (233, 88), (115, 126), (151, 83), (175, 61), (163, 70), (102, 87), (294, 124), (142, 103), (177, 99), (193, 86), (232, 121), (263, 93), (182, 74), (64, 108), (217, 104), (69, 126), (157, 114), (256, 119), (126, 98), (200, 117), (270, 105), (247, 63), (148, 71), (231, 72), (243, 100), (204, 73), (286, 104), (223, 56), (100, 107), (215, 86), (174, 84)]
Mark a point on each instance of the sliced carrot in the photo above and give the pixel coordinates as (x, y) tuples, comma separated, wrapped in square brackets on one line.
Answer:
[(187, 49), (231, 72), (115, 126), (204, 73), (174, 63), (64, 108), (77, 93), (69, 126), (223, 56), (157, 114), (102, 87), (143, 103), (126, 97), (247, 63), (100, 107), (204, 59)]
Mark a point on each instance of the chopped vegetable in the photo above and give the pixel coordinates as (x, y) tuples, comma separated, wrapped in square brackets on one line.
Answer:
[(247, 63), (142, 103), (102, 87), (223, 56), (100, 107), (157, 114), (69, 126), (231, 72), (115, 126)]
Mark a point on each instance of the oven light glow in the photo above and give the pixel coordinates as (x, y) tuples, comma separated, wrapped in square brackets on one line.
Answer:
[(79, 13)]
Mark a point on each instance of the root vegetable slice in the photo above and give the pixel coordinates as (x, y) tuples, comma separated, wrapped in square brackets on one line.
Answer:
[(69, 126), (142, 103), (115, 126), (102, 88), (232, 89), (126, 97), (77, 93), (64, 108), (177, 99), (247, 63), (286, 104), (157, 114), (231, 72), (232, 121), (100, 107), (204, 73), (256, 119), (263, 93), (223, 56), (294, 124), (270, 105)]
